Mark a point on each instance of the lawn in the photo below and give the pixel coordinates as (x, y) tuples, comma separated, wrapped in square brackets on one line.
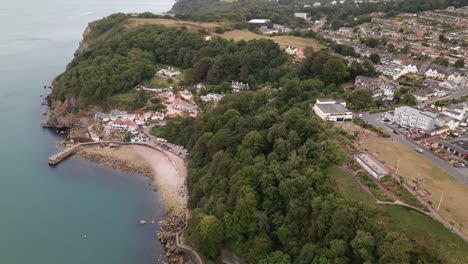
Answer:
[(349, 188), (136, 22), (421, 229), (283, 41), (435, 180)]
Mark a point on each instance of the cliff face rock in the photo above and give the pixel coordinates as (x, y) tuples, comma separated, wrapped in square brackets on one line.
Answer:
[(84, 45), (61, 115)]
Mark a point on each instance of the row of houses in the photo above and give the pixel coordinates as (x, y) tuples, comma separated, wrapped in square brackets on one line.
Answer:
[(397, 69), (129, 122)]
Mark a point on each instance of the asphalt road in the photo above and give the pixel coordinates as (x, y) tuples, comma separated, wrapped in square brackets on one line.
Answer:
[(460, 174)]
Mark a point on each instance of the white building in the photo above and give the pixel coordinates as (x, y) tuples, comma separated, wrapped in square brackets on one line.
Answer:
[(168, 73), (239, 86), (211, 97), (332, 110), (457, 111), (373, 167), (124, 124), (301, 15), (410, 117), (186, 95), (259, 21), (157, 116)]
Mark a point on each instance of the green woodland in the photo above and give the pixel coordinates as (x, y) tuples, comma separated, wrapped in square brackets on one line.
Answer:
[(258, 181)]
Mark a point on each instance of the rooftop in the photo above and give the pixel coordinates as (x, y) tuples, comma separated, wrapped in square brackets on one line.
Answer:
[(332, 108), (458, 144)]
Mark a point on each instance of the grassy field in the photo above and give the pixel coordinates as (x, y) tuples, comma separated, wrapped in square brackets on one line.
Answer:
[(436, 181), (283, 41), (136, 22), (421, 229)]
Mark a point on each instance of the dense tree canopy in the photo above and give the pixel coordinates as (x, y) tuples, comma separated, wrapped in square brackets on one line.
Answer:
[(123, 61)]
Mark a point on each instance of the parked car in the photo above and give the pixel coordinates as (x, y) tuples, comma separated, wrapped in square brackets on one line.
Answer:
[(396, 132), (419, 150)]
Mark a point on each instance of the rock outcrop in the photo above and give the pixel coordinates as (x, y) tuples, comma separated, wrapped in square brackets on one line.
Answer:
[(84, 45), (61, 113)]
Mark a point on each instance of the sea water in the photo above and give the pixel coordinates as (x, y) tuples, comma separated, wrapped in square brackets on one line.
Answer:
[(76, 212)]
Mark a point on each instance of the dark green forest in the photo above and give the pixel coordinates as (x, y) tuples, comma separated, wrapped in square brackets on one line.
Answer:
[(257, 185)]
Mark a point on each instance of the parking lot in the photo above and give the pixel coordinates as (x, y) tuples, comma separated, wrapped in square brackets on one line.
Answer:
[(400, 134)]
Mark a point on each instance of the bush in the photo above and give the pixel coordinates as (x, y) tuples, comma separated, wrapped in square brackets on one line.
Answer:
[(219, 30)]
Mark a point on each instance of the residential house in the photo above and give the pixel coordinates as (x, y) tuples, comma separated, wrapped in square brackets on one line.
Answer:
[(425, 94), (290, 50), (168, 73), (393, 70), (346, 32), (369, 83), (457, 111), (101, 117), (200, 87), (140, 119), (124, 124), (141, 138), (183, 106), (115, 114), (410, 66), (158, 116), (239, 86), (436, 72), (186, 95), (459, 77), (211, 97), (388, 90)]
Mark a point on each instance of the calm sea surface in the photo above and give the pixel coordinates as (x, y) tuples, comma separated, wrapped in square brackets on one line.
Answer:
[(77, 212)]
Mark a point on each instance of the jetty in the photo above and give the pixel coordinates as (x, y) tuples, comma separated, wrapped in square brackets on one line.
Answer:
[(62, 155), (58, 157)]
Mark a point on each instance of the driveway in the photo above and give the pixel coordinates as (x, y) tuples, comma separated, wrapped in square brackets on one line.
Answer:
[(460, 174)]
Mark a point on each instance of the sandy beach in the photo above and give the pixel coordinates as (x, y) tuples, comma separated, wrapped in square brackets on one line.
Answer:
[(167, 169)]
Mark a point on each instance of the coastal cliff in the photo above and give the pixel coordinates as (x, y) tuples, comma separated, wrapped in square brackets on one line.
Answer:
[(61, 113), (84, 44)]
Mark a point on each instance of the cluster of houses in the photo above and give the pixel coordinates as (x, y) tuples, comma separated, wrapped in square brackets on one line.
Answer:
[(168, 73), (433, 121), (298, 53), (122, 121), (379, 87), (266, 27), (396, 68)]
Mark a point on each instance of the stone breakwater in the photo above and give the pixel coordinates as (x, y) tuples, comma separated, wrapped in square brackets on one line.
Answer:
[(120, 159)]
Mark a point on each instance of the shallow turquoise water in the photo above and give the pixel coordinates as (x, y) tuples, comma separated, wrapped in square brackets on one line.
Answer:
[(77, 212)]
